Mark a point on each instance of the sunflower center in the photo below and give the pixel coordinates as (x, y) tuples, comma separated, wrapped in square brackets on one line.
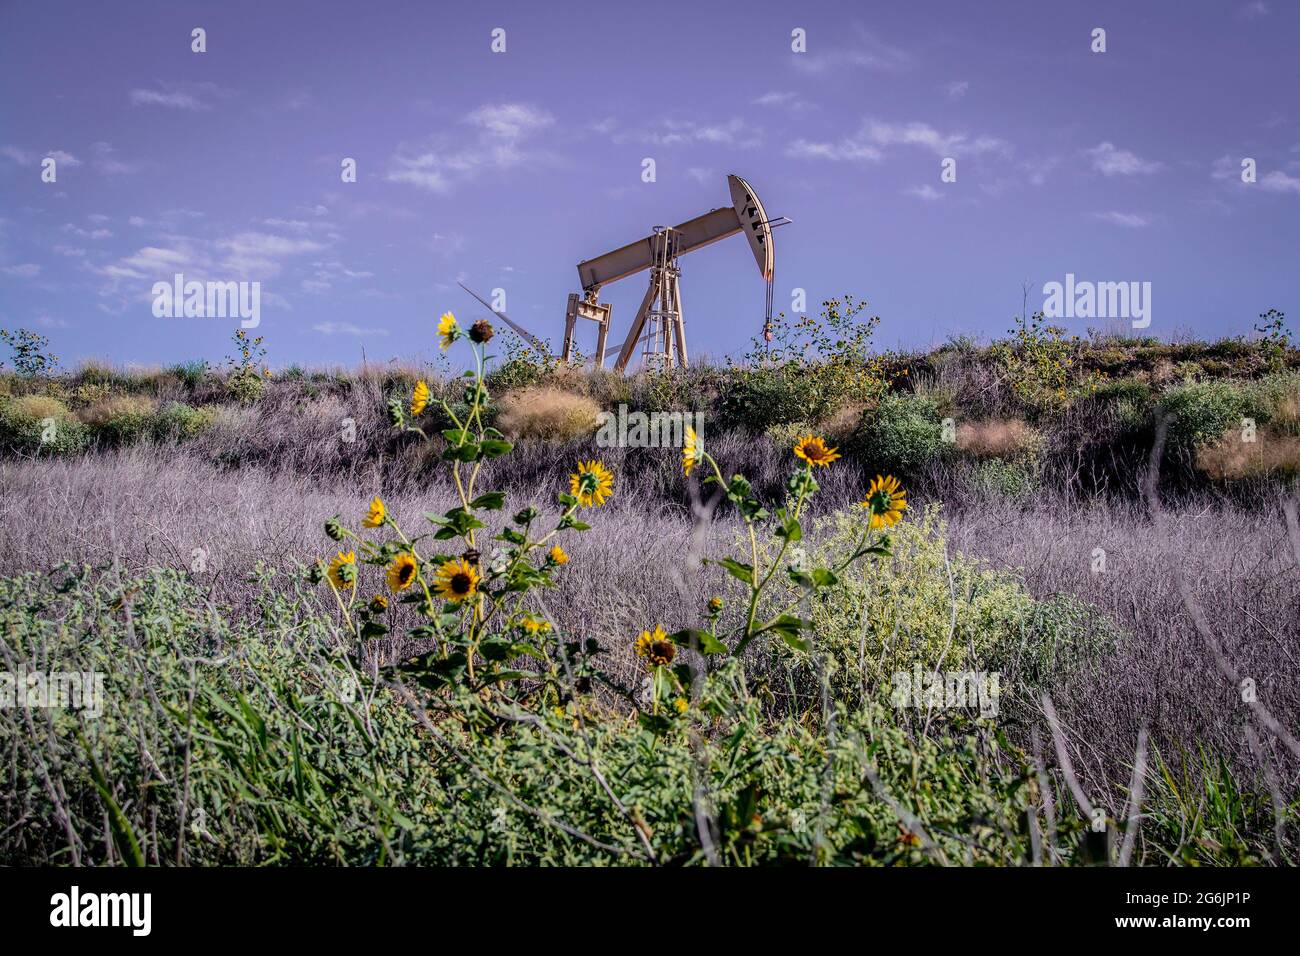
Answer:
[(461, 583), (406, 572)]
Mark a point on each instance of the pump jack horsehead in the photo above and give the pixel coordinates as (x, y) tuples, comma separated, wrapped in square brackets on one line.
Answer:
[(658, 326)]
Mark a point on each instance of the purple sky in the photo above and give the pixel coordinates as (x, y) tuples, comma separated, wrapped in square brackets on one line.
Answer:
[(505, 170)]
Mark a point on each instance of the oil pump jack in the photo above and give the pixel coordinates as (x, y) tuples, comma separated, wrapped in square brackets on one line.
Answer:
[(658, 326)]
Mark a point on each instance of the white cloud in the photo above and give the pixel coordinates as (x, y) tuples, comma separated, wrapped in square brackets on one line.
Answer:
[(258, 254), (1277, 181), (62, 158), (700, 174), (871, 53), (1253, 10), (1111, 161), (110, 165), (957, 88), (28, 270), (503, 132), (871, 138), (1129, 220), (180, 96), (783, 100), (346, 328), (76, 230), (926, 192), (927, 137), (19, 156), (846, 150), (510, 120)]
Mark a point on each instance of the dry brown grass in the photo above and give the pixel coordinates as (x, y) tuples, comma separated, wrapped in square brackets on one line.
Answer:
[(117, 408), (1273, 453), (997, 438), (840, 426), (545, 413)]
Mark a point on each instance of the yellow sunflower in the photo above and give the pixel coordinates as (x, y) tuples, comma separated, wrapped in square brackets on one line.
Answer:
[(692, 451), (655, 647), (886, 500), (557, 555), (814, 451), (592, 484), (338, 577), (447, 328), (402, 571), (419, 398), (456, 580), (375, 517), (534, 625)]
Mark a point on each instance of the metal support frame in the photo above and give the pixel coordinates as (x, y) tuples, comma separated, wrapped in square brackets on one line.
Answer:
[(660, 315), (586, 307)]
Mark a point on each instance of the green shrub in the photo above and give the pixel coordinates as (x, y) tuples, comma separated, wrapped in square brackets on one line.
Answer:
[(900, 436), (1131, 388), (890, 616), (178, 420), (1063, 634), (1200, 412), (191, 374), (38, 423), (123, 420), (1275, 399), (1013, 479), (292, 756), (245, 386), (758, 398)]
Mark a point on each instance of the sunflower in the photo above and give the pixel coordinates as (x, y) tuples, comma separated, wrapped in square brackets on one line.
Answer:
[(534, 625), (402, 571), (557, 555), (655, 647), (456, 580), (375, 517), (378, 604), (419, 398), (338, 577), (692, 451), (886, 500), (592, 484), (448, 329), (814, 451), (681, 705)]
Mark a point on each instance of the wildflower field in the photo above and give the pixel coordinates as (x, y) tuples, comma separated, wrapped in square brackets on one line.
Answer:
[(1029, 603)]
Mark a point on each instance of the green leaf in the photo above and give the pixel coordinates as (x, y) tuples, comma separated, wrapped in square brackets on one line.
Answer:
[(495, 447), (787, 626), (702, 641), (123, 835), (790, 530), (824, 577), (738, 569), (466, 452), (490, 501)]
